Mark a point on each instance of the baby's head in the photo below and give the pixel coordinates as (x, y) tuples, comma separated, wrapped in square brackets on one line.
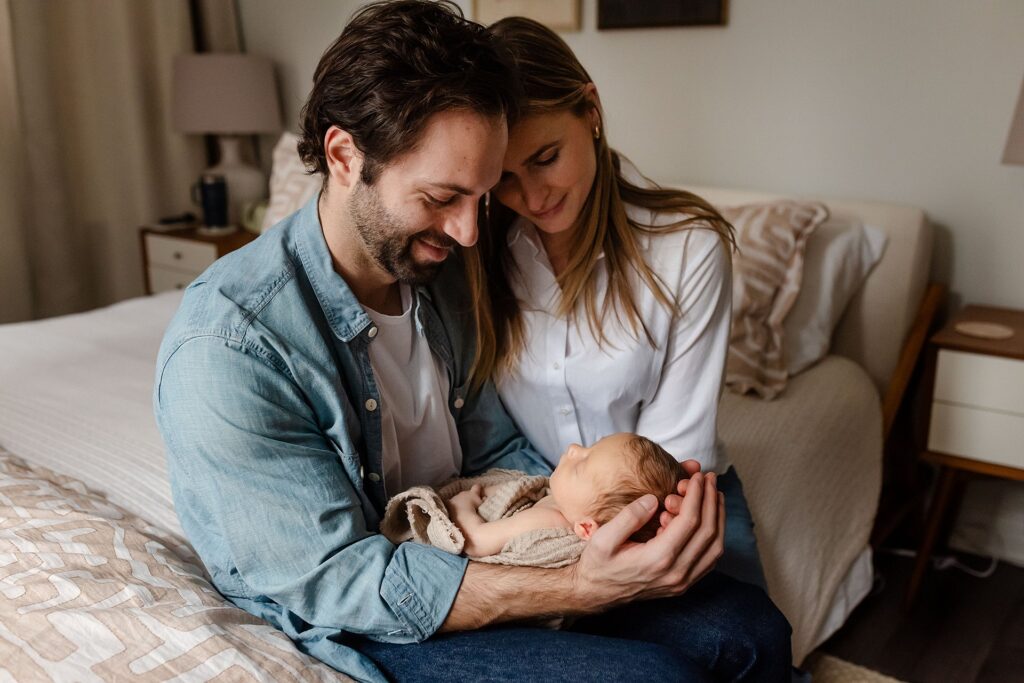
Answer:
[(591, 485)]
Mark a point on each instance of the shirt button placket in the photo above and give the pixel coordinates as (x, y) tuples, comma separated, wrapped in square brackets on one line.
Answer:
[(568, 428)]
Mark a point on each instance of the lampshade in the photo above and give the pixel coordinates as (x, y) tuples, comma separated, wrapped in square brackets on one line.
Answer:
[(1014, 152), (225, 93)]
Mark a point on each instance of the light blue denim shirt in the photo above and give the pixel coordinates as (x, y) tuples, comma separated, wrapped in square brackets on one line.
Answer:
[(268, 407)]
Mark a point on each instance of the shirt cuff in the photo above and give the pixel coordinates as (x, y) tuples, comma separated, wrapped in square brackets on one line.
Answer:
[(420, 585)]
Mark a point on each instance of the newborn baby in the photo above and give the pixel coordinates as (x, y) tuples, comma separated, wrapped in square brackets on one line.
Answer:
[(587, 489)]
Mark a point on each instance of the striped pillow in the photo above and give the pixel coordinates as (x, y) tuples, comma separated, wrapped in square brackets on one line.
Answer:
[(767, 273)]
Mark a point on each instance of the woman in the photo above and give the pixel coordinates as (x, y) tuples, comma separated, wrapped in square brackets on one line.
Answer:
[(609, 298)]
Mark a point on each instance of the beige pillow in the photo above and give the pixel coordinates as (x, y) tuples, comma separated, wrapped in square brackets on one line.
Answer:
[(839, 257), (767, 273), (290, 186)]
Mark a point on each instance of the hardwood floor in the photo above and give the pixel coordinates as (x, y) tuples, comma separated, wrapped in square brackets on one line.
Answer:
[(962, 629)]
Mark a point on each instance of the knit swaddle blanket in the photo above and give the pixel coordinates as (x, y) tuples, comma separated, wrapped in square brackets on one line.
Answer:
[(419, 514)]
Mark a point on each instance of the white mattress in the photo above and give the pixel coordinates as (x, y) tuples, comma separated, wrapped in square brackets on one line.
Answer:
[(75, 396)]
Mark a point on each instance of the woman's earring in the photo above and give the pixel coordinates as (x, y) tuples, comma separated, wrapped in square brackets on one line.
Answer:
[(597, 132)]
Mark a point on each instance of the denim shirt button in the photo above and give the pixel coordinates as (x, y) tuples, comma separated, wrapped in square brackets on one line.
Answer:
[(459, 402), (371, 405), (372, 332), (374, 477)]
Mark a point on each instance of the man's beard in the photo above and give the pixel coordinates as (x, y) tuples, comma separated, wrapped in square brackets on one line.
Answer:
[(388, 241)]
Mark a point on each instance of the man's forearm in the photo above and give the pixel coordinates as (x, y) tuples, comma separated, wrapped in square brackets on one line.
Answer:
[(492, 593)]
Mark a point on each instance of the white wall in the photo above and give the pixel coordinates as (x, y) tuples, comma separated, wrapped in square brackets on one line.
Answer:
[(899, 100)]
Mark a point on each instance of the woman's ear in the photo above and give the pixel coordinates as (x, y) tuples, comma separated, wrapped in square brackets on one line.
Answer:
[(344, 159), (585, 528)]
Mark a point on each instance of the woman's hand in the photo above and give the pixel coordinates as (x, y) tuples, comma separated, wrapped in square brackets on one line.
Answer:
[(612, 570)]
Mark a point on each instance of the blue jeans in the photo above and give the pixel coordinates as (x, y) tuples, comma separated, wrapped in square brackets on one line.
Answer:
[(740, 559), (721, 629)]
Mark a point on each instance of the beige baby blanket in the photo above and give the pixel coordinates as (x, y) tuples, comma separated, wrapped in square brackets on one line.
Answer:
[(420, 515)]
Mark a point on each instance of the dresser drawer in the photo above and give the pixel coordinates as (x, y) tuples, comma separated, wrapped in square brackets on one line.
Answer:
[(978, 434), (970, 379), (163, 279), (181, 254)]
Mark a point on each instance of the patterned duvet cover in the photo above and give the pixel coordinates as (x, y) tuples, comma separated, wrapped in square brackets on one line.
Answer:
[(90, 592)]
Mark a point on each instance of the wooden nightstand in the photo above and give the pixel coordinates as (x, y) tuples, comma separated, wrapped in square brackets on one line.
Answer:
[(172, 259), (977, 414)]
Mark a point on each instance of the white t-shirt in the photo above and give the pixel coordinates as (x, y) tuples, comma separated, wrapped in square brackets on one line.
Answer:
[(420, 444), (568, 389)]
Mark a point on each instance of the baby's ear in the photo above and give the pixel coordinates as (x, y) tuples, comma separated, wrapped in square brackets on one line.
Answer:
[(585, 528)]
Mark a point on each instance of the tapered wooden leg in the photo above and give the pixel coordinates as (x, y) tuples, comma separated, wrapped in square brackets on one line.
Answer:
[(943, 491)]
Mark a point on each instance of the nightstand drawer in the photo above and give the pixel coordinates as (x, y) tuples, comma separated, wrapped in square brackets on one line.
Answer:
[(971, 379), (982, 435), (164, 279), (182, 254)]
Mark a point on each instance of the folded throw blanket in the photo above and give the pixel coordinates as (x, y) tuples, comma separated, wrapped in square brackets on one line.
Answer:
[(420, 515)]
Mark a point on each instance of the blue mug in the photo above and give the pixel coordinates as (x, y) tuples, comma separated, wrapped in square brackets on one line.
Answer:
[(211, 193)]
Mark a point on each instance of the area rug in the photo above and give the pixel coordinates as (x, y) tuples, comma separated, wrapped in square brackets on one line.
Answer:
[(827, 669)]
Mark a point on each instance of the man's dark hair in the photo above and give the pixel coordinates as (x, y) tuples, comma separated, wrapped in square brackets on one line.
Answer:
[(395, 65)]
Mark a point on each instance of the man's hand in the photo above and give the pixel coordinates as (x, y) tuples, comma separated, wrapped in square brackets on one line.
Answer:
[(613, 570), (674, 502)]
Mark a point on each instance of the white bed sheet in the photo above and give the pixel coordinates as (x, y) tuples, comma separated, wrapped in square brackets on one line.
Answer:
[(76, 397)]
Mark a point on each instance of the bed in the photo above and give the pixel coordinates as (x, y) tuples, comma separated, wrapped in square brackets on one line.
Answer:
[(97, 581)]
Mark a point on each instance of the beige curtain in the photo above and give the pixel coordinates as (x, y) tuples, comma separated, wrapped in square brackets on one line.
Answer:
[(16, 294), (87, 149)]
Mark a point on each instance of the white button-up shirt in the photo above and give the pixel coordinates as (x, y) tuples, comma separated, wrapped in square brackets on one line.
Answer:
[(566, 388)]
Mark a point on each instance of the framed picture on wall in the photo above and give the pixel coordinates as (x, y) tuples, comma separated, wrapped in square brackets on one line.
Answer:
[(558, 15), (652, 13)]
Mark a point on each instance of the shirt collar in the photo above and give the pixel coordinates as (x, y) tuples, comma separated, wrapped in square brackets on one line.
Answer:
[(522, 229), (343, 311)]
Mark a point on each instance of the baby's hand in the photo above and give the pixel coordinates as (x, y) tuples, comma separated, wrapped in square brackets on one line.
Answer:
[(470, 499)]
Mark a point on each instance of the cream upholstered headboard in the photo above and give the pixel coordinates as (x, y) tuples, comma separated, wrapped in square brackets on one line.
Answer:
[(878, 319)]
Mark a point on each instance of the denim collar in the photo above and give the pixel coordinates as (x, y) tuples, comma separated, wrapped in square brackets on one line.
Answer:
[(343, 311)]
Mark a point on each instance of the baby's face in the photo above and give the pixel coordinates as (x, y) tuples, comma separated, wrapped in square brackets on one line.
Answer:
[(585, 473)]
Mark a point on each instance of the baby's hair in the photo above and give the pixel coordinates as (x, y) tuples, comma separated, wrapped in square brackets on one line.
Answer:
[(653, 471)]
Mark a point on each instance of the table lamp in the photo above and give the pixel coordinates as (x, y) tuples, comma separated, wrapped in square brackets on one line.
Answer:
[(228, 95), (1013, 154)]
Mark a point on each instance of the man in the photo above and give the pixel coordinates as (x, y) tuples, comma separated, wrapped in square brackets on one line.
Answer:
[(314, 373)]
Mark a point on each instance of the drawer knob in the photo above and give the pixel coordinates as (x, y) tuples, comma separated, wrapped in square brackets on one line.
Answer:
[(179, 286), (177, 255)]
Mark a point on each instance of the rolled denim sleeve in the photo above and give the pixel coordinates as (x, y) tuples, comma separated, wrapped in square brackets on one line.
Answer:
[(271, 504)]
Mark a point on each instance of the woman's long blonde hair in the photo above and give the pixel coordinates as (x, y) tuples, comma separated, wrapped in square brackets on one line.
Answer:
[(553, 80)]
